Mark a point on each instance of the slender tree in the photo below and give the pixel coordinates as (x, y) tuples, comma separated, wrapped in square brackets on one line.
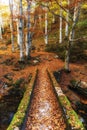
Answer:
[(46, 24), (74, 13), (11, 23), (60, 28), (67, 19), (18, 33), (28, 36), (21, 26)]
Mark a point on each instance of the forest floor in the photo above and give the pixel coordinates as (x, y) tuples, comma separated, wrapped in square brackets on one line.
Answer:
[(11, 70), (9, 63)]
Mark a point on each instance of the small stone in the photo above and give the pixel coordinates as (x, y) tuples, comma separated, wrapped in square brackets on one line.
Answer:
[(16, 128), (56, 56), (35, 61)]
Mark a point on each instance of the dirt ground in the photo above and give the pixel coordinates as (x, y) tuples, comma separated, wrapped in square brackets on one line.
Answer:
[(9, 65)]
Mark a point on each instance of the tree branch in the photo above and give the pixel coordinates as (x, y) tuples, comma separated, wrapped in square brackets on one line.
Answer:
[(75, 40), (57, 15)]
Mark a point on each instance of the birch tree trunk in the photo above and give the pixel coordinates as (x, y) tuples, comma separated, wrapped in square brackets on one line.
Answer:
[(67, 19), (18, 33), (11, 23), (60, 28), (46, 26), (71, 35), (21, 30), (28, 36)]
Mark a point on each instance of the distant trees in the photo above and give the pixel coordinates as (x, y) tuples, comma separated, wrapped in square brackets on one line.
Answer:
[(68, 14), (71, 18)]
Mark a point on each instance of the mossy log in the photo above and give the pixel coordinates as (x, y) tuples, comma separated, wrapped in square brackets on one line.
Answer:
[(19, 116), (72, 119)]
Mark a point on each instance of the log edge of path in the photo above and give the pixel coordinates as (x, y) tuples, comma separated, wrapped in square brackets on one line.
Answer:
[(44, 112)]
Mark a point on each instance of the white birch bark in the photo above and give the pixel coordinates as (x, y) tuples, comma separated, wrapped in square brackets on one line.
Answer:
[(46, 26), (75, 19), (21, 30), (60, 28), (67, 19), (18, 33), (28, 36), (11, 23)]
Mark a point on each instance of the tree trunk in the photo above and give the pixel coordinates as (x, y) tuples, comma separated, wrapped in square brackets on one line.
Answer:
[(18, 33), (11, 23), (46, 26), (60, 30), (28, 36), (21, 31), (67, 19), (75, 18), (71, 36), (67, 57)]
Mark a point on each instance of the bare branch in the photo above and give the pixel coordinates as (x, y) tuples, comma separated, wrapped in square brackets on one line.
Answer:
[(75, 40)]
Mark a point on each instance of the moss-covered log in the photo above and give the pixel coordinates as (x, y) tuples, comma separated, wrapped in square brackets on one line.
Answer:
[(72, 119), (19, 116)]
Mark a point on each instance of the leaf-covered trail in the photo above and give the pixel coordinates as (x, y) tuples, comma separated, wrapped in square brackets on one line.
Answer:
[(44, 112)]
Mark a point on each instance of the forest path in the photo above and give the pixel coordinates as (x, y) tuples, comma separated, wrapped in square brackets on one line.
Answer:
[(44, 112)]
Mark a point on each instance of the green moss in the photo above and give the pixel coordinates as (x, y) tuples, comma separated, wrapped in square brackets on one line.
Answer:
[(19, 116)]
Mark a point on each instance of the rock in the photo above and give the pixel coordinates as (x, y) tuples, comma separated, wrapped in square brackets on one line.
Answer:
[(16, 128), (5, 86), (38, 59), (56, 56), (35, 62), (57, 75)]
